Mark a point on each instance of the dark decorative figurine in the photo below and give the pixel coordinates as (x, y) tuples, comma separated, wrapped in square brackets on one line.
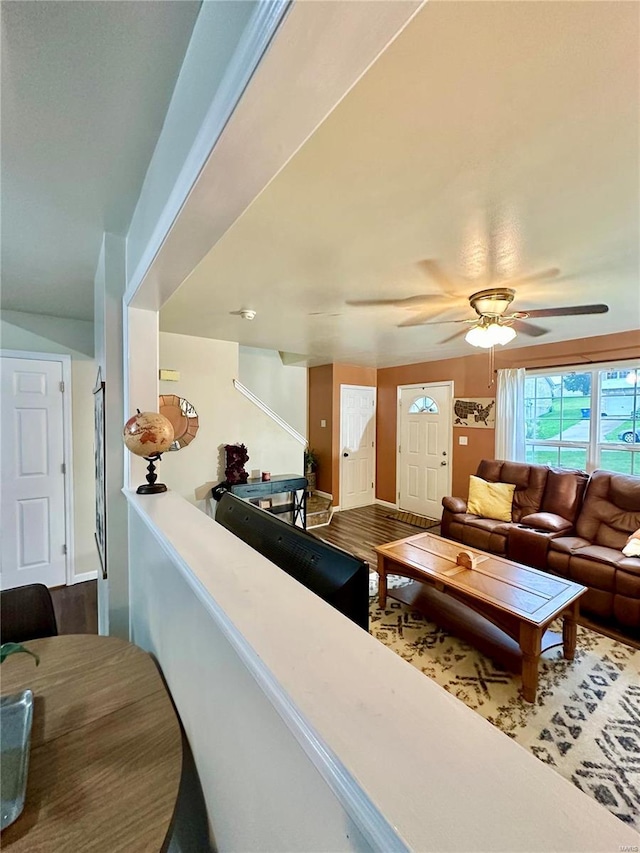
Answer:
[(236, 456)]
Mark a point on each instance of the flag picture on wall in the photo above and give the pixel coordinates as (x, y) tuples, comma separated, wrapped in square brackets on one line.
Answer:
[(477, 413)]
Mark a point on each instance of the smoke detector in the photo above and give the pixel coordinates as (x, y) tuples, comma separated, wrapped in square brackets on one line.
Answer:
[(247, 314)]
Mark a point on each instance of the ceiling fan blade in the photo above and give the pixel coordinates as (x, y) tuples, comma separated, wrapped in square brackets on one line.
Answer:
[(421, 299), (433, 269), (569, 311), (530, 329), (543, 275), (418, 320), (455, 335)]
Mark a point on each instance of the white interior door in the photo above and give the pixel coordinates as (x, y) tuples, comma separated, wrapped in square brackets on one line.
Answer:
[(33, 494), (358, 443), (424, 449)]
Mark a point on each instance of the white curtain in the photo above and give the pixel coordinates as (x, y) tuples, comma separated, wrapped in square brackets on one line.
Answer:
[(510, 425)]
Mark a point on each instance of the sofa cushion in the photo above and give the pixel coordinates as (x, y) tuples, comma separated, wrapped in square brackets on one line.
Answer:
[(491, 524), (547, 521), (630, 565), (563, 493), (568, 544), (592, 574), (600, 554), (529, 481), (611, 509)]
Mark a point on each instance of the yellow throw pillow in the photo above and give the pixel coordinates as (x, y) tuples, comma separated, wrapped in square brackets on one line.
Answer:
[(490, 500)]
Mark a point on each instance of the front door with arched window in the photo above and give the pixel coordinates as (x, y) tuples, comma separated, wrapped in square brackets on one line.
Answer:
[(424, 448)]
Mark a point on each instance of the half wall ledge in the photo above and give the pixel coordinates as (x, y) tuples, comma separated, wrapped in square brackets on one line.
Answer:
[(309, 734)]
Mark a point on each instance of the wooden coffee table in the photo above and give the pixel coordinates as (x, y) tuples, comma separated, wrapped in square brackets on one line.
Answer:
[(520, 601)]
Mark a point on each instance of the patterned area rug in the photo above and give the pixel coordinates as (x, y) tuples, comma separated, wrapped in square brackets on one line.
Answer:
[(416, 520), (585, 722)]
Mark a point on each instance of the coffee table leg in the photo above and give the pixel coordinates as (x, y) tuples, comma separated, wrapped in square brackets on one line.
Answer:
[(530, 644), (382, 583), (570, 631)]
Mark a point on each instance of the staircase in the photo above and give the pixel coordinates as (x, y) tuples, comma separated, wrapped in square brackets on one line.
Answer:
[(319, 510)]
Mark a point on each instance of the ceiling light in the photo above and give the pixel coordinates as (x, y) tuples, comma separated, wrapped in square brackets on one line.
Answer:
[(247, 314), (489, 334)]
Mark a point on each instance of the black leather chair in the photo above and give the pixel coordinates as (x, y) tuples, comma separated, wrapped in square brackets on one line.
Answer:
[(26, 613)]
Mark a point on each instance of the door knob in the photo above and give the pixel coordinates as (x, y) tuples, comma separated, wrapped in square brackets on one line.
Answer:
[(345, 454), (442, 463)]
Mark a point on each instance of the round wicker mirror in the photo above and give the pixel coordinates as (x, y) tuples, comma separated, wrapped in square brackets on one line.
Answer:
[(183, 417)]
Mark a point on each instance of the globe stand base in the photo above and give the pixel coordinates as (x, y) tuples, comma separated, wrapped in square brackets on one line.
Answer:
[(151, 487)]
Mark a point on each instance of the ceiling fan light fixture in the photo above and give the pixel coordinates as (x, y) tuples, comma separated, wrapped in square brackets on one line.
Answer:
[(492, 302), (489, 334)]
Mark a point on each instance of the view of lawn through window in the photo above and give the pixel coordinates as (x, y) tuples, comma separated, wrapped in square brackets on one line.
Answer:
[(584, 419)]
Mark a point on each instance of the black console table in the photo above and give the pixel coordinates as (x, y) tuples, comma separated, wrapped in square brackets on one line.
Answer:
[(295, 485)]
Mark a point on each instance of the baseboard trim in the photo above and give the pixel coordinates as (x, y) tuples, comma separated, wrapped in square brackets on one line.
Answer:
[(85, 576), (387, 504), (323, 494)]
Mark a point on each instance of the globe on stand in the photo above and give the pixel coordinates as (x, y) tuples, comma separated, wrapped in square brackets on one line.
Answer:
[(148, 434)]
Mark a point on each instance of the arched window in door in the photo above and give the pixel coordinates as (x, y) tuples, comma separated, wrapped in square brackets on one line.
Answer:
[(423, 405)]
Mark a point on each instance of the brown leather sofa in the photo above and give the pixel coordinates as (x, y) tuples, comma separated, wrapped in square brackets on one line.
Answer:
[(546, 500), (593, 555), (565, 522)]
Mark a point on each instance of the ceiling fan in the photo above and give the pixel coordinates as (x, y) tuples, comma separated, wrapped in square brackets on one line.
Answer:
[(492, 325)]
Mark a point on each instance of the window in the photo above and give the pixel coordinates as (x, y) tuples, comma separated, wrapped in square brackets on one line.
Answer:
[(423, 405), (584, 419)]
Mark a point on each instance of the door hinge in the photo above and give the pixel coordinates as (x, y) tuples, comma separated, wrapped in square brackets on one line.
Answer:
[(64, 549), (399, 448), (63, 468), (62, 387)]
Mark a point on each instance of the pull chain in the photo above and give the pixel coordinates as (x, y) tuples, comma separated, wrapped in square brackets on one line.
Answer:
[(491, 367)]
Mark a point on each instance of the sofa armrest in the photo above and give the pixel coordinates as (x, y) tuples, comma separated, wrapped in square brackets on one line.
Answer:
[(454, 504), (547, 521)]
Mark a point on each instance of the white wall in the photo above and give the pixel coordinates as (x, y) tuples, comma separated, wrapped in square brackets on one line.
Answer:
[(216, 33), (283, 387), (109, 284), (207, 370), (62, 336), (309, 734)]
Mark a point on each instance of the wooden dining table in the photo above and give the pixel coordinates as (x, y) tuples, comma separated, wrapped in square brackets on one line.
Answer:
[(106, 748)]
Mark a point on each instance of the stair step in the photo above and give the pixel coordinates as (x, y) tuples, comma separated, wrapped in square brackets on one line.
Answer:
[(319, 510)]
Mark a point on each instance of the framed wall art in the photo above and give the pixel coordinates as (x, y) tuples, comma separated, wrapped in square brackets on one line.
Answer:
[(479, 412), (100, 473)]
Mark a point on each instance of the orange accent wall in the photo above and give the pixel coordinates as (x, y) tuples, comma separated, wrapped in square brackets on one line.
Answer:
[(471, 377), (324, 404), (345, 374), (321, 408)]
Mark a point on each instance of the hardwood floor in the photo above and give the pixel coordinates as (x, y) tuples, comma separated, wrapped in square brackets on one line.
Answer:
[(355, 530), (76, 608), (360, 530)]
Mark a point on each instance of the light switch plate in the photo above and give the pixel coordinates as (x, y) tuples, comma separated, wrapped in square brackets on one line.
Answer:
[(462, 439), (323, 423)]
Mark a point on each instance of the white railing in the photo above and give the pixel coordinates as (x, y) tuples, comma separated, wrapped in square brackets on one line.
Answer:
[(307, 733), (273, 415)]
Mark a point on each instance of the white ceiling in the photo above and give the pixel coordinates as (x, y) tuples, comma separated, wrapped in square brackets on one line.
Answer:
[(85, 88), (506, 125)]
